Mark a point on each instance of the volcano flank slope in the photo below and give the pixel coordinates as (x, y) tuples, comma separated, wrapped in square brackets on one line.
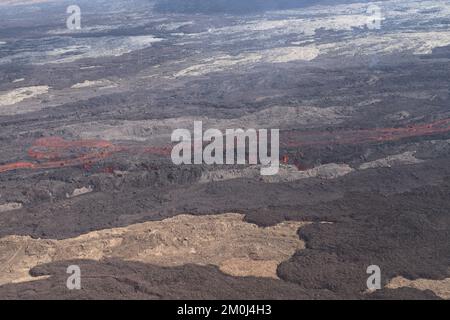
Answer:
[(86, 176)]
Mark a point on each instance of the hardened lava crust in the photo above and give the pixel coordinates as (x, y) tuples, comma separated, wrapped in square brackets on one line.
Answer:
[(87, 179)]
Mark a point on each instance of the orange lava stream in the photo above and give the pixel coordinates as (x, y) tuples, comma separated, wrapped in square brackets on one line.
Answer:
[(55, 152), (297, 139)]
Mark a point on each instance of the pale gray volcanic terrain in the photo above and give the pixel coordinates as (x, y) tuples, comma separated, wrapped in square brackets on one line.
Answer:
[(85, 170)]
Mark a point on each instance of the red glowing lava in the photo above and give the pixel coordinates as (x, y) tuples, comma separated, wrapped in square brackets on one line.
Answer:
[(55, 152), (300, 139)]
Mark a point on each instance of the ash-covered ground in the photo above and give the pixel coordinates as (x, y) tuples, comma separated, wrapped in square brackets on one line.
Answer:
[(86, 176)]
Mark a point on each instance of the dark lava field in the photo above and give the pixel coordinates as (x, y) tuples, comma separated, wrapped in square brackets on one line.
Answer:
[(87, 179)]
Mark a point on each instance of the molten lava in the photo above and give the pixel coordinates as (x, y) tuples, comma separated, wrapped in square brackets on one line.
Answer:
[(314, 138), (54, 152)]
